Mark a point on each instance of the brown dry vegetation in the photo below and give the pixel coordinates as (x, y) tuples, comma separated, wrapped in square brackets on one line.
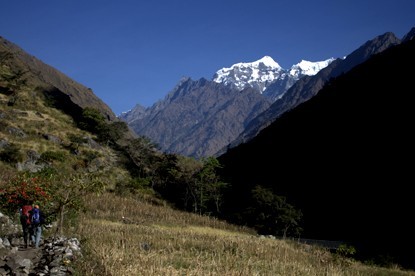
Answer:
[(157, 240), (151, 239)]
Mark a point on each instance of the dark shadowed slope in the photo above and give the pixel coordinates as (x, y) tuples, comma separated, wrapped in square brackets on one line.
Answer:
[(308, 86), (344, 157)]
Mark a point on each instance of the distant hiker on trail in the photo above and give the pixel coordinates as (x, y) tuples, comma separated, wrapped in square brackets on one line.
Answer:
[(25, 219), (37, 220)]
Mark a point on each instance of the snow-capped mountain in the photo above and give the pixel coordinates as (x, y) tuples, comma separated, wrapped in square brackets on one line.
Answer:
[(308, 86), (309, 68), (198, 118), (258, 74), (266, 72), (340, 117)]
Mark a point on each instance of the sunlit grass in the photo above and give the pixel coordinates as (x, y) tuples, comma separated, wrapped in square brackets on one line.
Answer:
[(157, 240), (125, 236)]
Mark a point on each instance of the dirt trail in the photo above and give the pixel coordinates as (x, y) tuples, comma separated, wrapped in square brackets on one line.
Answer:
[(13, 256), (33, 254)]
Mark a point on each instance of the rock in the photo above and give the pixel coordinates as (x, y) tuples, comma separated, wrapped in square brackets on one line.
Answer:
[(52, 138), (16, 132), (6, 242), (52, 258)]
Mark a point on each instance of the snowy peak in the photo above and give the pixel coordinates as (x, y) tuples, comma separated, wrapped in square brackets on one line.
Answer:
[(262, 73), (266, 61), (258, 74), (309, 68)]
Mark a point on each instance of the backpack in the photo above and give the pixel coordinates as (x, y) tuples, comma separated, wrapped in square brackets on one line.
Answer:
[(35, 216), (25, 215)]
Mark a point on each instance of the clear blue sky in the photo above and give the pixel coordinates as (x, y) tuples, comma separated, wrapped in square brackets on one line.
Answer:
[(132, 51)]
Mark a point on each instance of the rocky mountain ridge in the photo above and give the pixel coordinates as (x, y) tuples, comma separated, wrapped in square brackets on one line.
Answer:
[(195, 131), (187, 122), (198, 117)]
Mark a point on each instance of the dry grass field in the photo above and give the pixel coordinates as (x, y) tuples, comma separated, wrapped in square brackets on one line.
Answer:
[(124, 236)]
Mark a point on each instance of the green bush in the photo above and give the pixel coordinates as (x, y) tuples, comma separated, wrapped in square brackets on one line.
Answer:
[(76, 138), (346, 250), (134, 186), (11, 154), (53, 155)]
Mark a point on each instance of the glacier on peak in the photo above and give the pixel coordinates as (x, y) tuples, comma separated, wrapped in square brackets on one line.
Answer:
[(309, 68), (266, 60), (262, 73)]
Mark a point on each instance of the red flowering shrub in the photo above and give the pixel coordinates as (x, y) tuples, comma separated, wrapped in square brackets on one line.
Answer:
[(54, 192), (19, 189)]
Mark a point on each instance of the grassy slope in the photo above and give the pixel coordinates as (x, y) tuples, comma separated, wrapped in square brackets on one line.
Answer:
[(157, 240), (153, 240)]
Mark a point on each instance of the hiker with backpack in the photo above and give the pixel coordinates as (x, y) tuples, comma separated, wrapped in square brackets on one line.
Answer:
[(37, 220), (25, 221)]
